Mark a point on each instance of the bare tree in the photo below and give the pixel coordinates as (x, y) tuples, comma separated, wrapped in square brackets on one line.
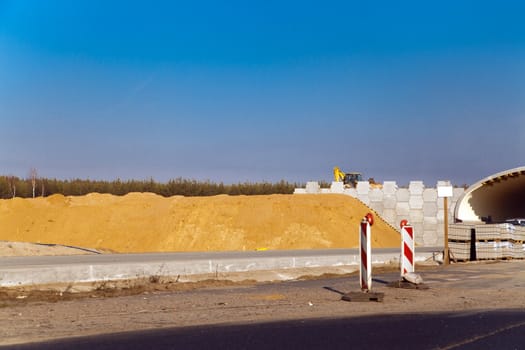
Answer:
[(12, 185), (33, 175)]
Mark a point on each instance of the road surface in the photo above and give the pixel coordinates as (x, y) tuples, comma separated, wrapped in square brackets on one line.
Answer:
[(475, 305), (461, 331), (42, 270)]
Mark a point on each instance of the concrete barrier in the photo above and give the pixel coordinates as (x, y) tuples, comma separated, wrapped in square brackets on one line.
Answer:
[(33, 271)]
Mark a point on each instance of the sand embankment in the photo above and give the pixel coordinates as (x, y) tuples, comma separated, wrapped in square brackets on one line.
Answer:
[(145, 222)]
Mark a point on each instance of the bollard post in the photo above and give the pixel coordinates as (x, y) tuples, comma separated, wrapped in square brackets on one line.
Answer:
[(407, 248), (365, 273), (409, 279)]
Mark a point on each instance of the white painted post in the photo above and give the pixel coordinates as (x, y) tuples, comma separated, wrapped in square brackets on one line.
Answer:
[(445, 192)]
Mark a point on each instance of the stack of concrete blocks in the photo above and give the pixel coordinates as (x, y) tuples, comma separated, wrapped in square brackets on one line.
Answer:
[(433, 229), (363, 190), (417, 204), (429, 213), (337, 187), (313, 187), (389, 213), (424, 211), (493, 241)]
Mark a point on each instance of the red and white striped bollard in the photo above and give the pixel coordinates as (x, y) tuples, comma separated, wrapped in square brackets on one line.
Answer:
[(365, 273), (407, 248)]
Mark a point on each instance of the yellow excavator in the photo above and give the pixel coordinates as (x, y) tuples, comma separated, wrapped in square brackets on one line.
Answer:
[(348, 179)]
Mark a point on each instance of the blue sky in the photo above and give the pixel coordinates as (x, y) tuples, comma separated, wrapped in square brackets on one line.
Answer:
[(238, 91)]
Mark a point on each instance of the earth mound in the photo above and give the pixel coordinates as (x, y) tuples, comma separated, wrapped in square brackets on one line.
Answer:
[(145, 222)]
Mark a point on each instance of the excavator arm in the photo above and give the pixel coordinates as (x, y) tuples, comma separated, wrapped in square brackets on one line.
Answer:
[(338, 174)]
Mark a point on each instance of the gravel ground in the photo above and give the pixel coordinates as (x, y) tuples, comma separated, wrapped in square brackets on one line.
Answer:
[(38, 315)]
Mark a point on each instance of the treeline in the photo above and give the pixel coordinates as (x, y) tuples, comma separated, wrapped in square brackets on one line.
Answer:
[(11, 186)]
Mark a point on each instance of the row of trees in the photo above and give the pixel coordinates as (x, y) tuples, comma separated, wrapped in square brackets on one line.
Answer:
[(12, 186)]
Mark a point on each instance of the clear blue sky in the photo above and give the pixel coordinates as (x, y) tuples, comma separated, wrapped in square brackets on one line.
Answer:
[(238, 91)]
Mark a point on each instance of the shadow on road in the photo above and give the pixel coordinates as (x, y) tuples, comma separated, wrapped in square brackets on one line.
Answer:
[(503, 329)]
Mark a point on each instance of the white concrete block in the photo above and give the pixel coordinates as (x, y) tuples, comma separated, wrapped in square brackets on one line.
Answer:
[(389, 201), (416, 187), (457, 192), (402, 209), (415, 216), (389, 215), (337, 187), (376, 195), (363, 187), (389, 187), (430, 195), (429, 239), (363, 198), (430, 223), (430, 209), (441, 218), (416, 202), (299, 191), (451, 204), (440, 234), (398, 220), (377, 206), (430, 235), (351, 192), (443, 183), (313, 187), (403, 195), (325, 190), (418, 233)]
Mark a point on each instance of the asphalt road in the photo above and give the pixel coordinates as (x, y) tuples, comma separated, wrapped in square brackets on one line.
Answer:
[(41, 270), (468, 330), (180, 256)]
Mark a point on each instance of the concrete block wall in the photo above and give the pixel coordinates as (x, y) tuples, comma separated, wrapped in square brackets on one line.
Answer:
[(418, 204)]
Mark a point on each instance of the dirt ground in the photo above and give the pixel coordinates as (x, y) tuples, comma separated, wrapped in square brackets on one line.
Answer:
[(458, 287), (8, 248)]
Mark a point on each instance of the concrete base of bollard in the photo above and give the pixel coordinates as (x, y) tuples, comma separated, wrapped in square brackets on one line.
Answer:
[(363, 296), (407, 285), (412, 277)]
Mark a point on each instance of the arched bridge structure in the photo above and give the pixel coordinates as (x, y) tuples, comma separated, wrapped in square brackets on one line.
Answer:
[(494, 199)]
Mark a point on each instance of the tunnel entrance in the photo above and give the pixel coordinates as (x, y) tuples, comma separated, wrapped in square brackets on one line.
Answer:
[(494, 199)]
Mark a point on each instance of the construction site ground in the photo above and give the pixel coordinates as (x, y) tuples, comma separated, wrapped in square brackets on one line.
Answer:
[(141, 222), (465, 287)]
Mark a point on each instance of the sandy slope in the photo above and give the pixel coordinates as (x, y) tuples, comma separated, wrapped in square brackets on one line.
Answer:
[(145, 222)]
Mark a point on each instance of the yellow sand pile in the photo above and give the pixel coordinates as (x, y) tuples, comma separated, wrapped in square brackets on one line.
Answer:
[(145, 222)]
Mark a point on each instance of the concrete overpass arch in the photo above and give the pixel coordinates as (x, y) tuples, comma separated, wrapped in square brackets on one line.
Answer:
[(497, 197)]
